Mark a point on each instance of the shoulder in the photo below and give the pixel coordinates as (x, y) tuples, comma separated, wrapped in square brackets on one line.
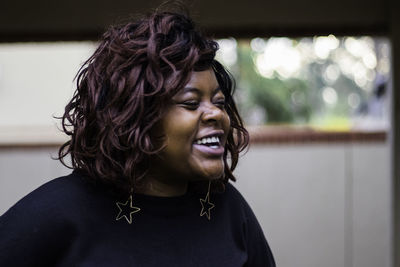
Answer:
[(230, 189), (62, 191), (233, 200), (61, 185), (54, 208), (42, 224), (61, 188), (233, 195), (259, 253)]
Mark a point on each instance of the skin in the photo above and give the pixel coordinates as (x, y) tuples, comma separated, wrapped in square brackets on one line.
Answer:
[(196, 111)]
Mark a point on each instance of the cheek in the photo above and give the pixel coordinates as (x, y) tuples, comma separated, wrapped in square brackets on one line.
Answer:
[(179, 132), (226, 122)]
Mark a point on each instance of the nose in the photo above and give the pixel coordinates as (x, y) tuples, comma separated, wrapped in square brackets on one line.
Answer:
[(212, 113)]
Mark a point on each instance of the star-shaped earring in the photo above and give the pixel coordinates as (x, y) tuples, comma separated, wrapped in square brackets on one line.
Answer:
[(125, 210), (206, 206)]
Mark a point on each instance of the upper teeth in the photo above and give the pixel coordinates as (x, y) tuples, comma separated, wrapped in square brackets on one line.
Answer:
[(207, 140)]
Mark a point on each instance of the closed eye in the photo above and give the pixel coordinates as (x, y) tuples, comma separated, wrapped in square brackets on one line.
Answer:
[(220, 103), (190, 104)]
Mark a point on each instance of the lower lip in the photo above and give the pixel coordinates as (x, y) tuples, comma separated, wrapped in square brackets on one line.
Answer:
[(219, 151)]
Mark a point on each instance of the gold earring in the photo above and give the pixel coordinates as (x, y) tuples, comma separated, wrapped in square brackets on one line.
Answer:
[(206, 205), (126, 209)]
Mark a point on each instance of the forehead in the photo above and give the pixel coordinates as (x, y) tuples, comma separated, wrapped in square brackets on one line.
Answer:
[(203, 80)]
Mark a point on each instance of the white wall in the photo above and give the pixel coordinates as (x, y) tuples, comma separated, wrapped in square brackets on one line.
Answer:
[(21, 171), (36, 80), (320, 205)]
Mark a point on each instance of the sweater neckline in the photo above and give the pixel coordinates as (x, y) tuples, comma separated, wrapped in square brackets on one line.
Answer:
[(165, 205), (162, 199), (156, 202)]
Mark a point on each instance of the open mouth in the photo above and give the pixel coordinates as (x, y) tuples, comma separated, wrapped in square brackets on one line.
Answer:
[(210, 141)]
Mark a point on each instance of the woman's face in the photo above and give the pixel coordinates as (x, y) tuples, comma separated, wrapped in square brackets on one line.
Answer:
[(195, 128)]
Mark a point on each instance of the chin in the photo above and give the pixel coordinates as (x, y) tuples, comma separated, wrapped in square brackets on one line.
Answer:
[(206, 169), (213, 174)]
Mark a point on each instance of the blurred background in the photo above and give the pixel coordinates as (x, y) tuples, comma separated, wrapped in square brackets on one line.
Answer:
[(317, 89)]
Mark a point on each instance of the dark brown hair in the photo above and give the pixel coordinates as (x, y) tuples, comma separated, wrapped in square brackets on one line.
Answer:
[(123, 90)]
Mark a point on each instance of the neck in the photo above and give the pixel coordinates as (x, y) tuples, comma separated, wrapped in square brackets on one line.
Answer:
[(155, 187)]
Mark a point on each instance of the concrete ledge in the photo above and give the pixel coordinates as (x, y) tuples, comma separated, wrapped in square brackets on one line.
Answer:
[(49, 136), (288, 134)]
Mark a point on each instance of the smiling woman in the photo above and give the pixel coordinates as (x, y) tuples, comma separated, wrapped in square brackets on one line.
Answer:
[(196, 127), (154, 138)]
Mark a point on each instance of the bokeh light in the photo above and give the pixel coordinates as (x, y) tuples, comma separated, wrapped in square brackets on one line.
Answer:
[(310, 80)]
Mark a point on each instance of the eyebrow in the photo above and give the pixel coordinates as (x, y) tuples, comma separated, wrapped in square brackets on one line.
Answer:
[(196, 90)]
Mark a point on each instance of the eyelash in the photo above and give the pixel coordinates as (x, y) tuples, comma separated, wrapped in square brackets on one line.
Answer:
[(193, 104), (221, 103)]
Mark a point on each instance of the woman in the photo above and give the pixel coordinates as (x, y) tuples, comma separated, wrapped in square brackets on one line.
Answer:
[(155, 136)]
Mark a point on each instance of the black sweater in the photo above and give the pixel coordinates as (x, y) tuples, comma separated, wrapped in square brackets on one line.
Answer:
[(69, 222)]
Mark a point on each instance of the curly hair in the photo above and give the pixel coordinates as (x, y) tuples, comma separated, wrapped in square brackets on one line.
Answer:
[(123, 90)]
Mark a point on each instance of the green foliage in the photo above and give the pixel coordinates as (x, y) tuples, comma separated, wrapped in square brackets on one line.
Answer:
[(283, 100)]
